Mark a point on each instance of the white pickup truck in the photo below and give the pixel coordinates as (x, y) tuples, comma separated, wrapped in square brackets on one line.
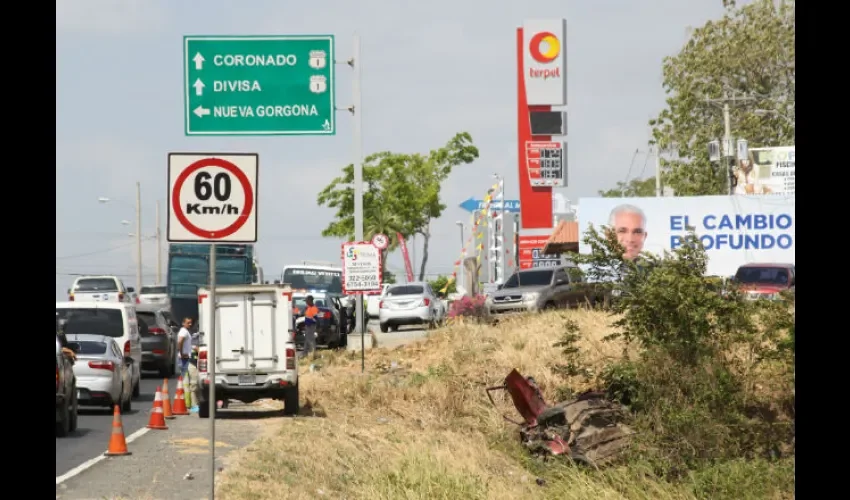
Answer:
[(254, 342)]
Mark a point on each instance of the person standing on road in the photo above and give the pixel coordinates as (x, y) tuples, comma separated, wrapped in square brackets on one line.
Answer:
[(184, 346), (310, 313), (184, 353)]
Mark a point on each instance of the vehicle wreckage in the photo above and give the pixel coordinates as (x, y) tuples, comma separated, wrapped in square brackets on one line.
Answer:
[(589, 429)]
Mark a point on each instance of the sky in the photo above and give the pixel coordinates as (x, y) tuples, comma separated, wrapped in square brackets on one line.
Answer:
[(430, 70)]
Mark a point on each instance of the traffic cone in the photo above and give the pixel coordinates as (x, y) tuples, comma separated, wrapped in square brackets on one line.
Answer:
[(157, 420), (179, 401), (117, 443), (166, 401)]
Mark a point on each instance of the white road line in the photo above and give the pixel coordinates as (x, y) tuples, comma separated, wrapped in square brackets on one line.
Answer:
[(85, 465)]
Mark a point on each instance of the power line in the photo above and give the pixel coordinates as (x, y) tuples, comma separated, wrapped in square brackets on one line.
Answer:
[(96, 252)]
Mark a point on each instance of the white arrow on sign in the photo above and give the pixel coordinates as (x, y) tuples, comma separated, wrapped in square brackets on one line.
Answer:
[(199, 87), (199, 60), (201, 111)]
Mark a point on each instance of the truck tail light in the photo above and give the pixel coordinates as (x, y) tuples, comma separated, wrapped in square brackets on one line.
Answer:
[(381, 304), (426, 302), (202, 361), (102, 365), (290, 359), (127, 348), (120, 296), (71, 298)]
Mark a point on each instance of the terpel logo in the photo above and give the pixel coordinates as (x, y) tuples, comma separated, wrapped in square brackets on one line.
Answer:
[(553, 47)]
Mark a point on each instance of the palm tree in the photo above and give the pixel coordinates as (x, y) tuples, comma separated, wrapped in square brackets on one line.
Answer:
[(379, 219)]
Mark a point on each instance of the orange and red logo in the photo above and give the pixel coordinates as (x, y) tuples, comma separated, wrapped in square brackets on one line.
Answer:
[(553, 47)]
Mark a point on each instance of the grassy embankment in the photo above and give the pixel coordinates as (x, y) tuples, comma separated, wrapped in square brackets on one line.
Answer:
[(418, 425)]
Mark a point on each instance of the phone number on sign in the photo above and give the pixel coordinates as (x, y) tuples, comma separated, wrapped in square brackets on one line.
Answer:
[(362, 284)]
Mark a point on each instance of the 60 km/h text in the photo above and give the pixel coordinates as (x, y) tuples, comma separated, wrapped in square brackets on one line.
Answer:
[(223, 209)]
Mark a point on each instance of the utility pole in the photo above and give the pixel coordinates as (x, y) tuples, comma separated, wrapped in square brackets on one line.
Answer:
[(727, 149), (138, 237), (158, 247), (657, 171)]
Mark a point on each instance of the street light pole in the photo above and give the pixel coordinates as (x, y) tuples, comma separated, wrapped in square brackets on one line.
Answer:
[(138, 237), (158, 247), (727, 146), (657, 171)]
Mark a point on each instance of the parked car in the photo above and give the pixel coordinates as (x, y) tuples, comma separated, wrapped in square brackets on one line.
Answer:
[(113, 319), (100, 289), (331, 324), (66, 393), (104, 375), (154, 296), (373, 301), (412, 303), (159, 340), (531, 290), (765, 280)]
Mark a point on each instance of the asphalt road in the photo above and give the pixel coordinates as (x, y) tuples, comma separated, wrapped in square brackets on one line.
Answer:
[(95, 426)]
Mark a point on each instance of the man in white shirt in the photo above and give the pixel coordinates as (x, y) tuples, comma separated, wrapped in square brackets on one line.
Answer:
[(188, 371), (184, 346)]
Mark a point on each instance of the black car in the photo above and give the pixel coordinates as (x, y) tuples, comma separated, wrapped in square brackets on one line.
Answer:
[(159, 340), (331, 323), (66, 394)]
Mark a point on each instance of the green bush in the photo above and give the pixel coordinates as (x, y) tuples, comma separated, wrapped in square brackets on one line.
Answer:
[(696, 386)]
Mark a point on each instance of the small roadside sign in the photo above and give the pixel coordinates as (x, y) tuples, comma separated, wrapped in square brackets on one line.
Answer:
[(212, 197), (380, 241), (361, 268)]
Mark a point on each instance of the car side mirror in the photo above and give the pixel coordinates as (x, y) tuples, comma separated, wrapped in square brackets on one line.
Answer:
[(131, 289), (561, 281)]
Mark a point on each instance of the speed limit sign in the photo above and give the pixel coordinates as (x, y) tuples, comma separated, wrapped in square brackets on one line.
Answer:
[(212, 197)]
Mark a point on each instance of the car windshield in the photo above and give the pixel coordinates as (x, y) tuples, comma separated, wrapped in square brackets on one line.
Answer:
[(96, 285), (153, 289), (762, 276), (89, 347), (529, 278), (301, 303), (405, 290), (108, 322)]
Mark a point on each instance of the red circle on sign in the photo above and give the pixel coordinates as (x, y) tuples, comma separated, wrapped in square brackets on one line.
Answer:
[(243, 181)]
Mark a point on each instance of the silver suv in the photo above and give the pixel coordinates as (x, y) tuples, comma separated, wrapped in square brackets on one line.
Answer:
[(536, 289)]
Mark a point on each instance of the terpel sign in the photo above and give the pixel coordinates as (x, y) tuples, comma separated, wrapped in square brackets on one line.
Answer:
[(545, 62)]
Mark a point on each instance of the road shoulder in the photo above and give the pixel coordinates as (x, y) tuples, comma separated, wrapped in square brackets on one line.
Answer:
[(173, 463)]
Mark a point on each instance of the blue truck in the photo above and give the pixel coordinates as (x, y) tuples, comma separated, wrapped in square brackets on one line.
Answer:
[(188, 269)]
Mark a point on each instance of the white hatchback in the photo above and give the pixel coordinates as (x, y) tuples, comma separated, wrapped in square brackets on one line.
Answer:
[(104, 377)]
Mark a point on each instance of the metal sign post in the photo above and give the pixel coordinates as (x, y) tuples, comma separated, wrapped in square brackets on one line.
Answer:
[(211, 362)]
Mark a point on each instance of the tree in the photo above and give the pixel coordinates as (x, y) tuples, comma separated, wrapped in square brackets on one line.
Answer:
[(634, 188), (401, 192), (749, 52), (441, 281)]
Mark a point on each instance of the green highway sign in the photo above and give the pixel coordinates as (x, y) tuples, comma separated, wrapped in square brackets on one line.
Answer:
[(259, 85)]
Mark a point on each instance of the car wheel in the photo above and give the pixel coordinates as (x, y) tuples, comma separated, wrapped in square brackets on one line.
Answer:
[(385, 328), (127, 405), (137, 391), (72, 413), (290, 402), (63, 426)]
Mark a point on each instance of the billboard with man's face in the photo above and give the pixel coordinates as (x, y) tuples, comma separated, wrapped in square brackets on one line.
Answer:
[(734, 229)]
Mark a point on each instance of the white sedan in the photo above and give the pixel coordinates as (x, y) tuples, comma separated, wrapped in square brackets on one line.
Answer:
[(103, 376), (373, 301)]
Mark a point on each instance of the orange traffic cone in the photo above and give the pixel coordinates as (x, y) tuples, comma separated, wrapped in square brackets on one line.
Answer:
[(179, 399), (166, 401), (157, 420), (117, 443)]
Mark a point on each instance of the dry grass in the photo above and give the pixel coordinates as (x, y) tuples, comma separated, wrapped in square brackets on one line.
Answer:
[(419, 425)]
